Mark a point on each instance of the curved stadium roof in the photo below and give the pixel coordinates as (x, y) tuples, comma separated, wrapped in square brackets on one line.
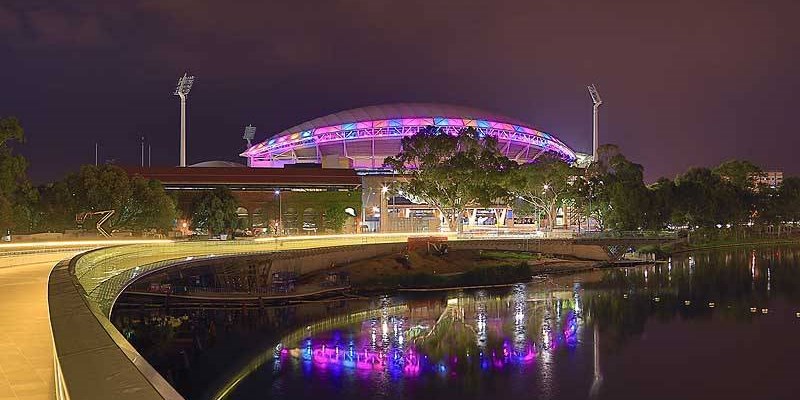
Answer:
[(367, 135), (400, 110)]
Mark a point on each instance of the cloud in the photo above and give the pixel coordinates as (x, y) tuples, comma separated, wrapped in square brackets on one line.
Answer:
[(35, 25), (55, 28), (10, 21)]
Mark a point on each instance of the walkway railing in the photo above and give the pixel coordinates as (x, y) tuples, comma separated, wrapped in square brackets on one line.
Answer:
[(92, 359), (629, 235)]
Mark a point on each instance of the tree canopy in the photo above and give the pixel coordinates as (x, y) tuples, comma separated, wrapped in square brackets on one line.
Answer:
[(453, 171), (617, 197), (12, 166), (544, 185), (215, 211), (17, 197), (139, 204)]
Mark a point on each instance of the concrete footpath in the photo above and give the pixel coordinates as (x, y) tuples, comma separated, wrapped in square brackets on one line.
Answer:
[(26, 343)]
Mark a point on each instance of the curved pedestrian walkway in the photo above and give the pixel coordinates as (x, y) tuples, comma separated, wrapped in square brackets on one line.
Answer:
[(26, 342)]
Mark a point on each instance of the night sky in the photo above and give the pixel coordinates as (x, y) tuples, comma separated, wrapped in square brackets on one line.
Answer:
[(685, 82)]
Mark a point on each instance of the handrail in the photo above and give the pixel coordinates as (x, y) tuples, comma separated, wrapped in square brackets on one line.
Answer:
[(629, 235), (94, 361)]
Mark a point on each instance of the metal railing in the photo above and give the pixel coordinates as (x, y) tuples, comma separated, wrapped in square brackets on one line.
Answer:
[(83, 292), (188, 291), (101, 275), (629, 235)]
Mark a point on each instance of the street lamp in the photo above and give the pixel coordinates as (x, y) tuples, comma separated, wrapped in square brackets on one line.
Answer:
[(590, 184), (280, 212), (538, 213), (383, 217)]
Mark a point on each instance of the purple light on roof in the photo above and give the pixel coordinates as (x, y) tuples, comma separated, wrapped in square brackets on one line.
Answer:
[(375, 139)]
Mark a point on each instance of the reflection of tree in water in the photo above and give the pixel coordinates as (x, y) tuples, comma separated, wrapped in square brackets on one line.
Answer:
[(156, 333), (482, 325), (733, 280), (191, 354), (450, 338), (621, 302)]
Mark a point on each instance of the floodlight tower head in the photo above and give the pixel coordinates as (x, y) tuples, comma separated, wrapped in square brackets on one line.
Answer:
[(182, 90), (249, 134), (596, 100), (184, 86)]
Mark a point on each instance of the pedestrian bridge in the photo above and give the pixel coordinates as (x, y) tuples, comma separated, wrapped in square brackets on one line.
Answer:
[(94, 361)]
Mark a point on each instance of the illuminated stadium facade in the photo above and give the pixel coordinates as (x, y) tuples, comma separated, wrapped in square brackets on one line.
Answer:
[(362, 138)]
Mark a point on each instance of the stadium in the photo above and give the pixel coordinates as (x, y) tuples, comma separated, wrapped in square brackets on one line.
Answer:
[(362, 138), (293, 177)]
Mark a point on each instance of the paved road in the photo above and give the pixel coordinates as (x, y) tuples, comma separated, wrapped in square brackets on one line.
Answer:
[(26, 355)]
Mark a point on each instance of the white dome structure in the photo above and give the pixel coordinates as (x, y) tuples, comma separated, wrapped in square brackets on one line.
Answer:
[(218, 164), (366, 136)]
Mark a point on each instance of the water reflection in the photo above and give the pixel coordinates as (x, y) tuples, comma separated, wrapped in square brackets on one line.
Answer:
[(544, 340), (468, 333)]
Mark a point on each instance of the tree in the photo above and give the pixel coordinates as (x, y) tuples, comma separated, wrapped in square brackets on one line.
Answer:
[(27, 214), (784, 203), (740, 173), (58, 207), (662, 201), (589, 199), (139, 204), (100, 188), (741, 177), (619, 198), (215, 211), (335, 217), (704, 199), (6, 214), (544, 184), (451, 172), (149, 206), (12, 166), (17, 197)]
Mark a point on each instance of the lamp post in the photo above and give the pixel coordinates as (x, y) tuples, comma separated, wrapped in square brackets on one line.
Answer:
[(384, 217), (538, 214), (590, 185), (589, 199), (364, 205), (279, 227)]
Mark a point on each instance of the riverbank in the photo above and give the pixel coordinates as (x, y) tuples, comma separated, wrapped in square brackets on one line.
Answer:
[(424, 270), (726, 243)]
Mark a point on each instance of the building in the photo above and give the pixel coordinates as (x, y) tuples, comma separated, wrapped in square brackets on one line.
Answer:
[(770, 178), (292, 200), (298, 178), (362, 138)]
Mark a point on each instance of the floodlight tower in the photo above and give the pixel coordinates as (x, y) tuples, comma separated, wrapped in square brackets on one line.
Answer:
[(184, 86), (249, 134), (596, 102)]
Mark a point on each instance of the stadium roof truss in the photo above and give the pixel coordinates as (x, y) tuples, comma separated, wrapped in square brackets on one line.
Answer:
[(517, 142)]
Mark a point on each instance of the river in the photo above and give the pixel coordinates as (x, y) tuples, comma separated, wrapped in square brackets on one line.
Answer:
[(718, 324)]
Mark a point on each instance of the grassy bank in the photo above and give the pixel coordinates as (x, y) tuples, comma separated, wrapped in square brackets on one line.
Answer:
[(458, 268)]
